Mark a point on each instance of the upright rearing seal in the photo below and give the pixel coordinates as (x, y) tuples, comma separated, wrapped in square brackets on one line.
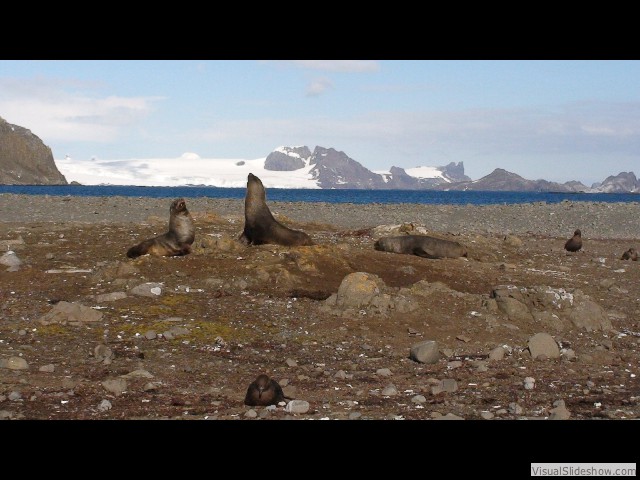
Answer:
[(259, 225), (177, 241)]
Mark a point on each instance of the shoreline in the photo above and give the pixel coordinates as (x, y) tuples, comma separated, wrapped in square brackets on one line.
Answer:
[(601, 220)]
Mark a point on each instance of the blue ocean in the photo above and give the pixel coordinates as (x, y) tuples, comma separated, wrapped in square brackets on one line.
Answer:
[(328, 196)]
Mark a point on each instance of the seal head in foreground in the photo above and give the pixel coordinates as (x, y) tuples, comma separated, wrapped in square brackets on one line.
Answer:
[(177, 241), (574, 243), (264, 391), (259, 225), (421, 245), (630, 254)]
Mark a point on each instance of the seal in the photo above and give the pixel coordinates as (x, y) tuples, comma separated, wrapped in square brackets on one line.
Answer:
[(177, 241), (259, 225), (574, 243), (630, 254), (264, 391), (421, 245)]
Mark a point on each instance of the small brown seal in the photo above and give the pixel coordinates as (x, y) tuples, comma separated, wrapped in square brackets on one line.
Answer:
[(421, 245), (259, 225), (630, 254), (264, 391), (574, 243), (177, 241)]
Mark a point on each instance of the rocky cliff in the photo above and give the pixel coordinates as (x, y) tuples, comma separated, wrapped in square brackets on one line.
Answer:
[(502, 180), (25, 159)]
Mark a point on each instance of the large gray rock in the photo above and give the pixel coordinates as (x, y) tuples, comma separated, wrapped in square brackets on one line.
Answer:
[(358, 290), (543, 344), (149, 289), (588, 315), (25, 159), (425, 352), (10, 259), (70, 313)]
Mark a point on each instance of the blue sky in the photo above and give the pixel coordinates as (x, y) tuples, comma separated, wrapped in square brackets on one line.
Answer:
[(558, 120)]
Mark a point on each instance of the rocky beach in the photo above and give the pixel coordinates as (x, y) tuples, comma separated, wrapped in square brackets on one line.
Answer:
[(520, 329)]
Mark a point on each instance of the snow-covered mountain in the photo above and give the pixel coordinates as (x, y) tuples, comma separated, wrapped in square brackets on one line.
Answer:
[(285, 167)]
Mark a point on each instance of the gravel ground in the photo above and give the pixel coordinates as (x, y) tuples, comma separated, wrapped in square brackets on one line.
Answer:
[(595, 219)]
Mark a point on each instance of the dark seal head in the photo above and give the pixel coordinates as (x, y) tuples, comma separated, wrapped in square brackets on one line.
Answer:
[(574, 243), (630, 254), (177, 241), (260, 226), (264, 391), (421, 245)]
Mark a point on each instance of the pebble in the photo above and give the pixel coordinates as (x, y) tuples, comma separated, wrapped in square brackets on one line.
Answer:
[(529, 383), (418, 399), (340, 374), (291, 363), (449, 416), (383, 372), (264, 413), (425, 352), (515, 408), (47, 368), (354, 415), (390, 390), (463, 338), (560, 411), (14, 396), (297, 406), (14, 363), (104, 405), (115, 385), (449, 385), (454, 364), (150, 335), (543, 344), (251, 413), (487, 415), (497, 353)]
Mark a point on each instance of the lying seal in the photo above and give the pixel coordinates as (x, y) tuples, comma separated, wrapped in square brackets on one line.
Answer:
[(421, 245), (574, 243), (259, 225), (630, 254), (264, 391), (177, 241)]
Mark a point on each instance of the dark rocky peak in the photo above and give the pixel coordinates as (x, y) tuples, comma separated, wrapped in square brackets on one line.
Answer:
[(25, 159), (284, 159)]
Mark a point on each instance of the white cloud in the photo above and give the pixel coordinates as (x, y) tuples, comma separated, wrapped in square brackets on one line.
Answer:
[(345, 66), (58, 110), (318, 87)]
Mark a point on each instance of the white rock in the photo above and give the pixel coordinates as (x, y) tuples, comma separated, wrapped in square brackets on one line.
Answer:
[(297, 406)]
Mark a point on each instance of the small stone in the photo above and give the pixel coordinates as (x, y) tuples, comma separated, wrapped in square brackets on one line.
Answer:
[(116, 385), (15, 363), (497, 353), (14, 396), (515, 408), (568, 353), (110, 297), (104, 405), (251, 413), (339, 374), (487, 415), (390, 390), (151, 386), (463, 338), (354, 415), (140, 373), (560, 411), (449, 416), (480, 366), (449, 385), (454, 364), (150, 335), (103, 354), (529, 383), (271, 408), (264, 413), (425, 352), (22, 332), (47, 368), (168, 335), (418, 399), (297, 406), (383, 372), (291, 362), (543, 344), (447, 352)]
